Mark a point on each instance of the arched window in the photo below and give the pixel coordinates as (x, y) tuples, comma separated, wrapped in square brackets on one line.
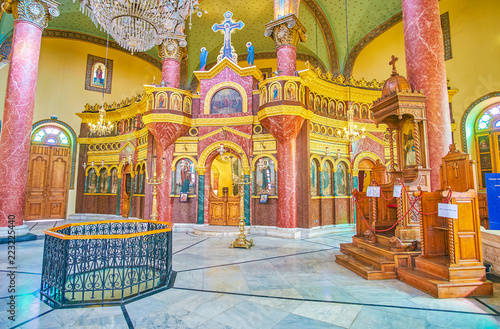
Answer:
[(50, 136), (487, 137)]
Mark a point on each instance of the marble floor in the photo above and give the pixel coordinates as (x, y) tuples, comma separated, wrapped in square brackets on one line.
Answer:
[(278, 283)]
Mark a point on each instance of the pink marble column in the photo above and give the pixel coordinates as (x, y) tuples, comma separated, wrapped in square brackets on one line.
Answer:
[(287, 184), (285, 129), (164, 202), (171, 72), (165, 134), (17, 120), (426, 70), (287, 60)]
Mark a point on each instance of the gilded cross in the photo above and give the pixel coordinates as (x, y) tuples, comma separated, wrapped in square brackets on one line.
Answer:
[(455, 166), (393, 61), (227, 28)]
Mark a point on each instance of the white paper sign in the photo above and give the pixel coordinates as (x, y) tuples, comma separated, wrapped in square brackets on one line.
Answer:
[(373, 191), (397, 191), (448, 210)]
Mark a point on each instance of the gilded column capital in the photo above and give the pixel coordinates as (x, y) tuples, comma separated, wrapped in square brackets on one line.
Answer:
[(38, 12), (173, 48), (286, 31)]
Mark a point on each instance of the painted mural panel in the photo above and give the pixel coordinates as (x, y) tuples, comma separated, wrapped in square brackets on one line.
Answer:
[(314, 178), (226, 101), (185, 177), (265, 173), (103, 181), (409, 155), (114, 180), (92, 181), (341, 179), (327, 178)]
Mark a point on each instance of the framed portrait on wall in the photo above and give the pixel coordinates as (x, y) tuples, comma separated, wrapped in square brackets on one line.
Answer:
[(263, 198), (98, 76), (183, 197)]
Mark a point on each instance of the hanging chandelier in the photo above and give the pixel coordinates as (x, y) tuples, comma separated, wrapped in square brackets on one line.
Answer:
[(101, 128), (351, 132), (139, 25)]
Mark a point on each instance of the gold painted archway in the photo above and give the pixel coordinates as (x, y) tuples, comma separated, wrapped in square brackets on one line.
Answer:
[(227, 144)]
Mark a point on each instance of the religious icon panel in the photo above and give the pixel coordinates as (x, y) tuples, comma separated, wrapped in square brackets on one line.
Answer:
[(226, 101), (92, 181), (185, 177), (314, 178), (99, 74), (265, 173), (341, 179), (327, 176)]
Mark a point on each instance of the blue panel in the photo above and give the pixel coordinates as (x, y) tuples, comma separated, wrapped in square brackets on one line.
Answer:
[(493, 196), (201, 199), (247, 201)]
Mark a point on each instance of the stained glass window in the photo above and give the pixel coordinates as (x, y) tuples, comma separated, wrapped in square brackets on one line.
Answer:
[(487, 140), (50, 135)]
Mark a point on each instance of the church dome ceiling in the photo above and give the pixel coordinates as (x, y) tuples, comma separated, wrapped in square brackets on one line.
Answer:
[(324, 20)]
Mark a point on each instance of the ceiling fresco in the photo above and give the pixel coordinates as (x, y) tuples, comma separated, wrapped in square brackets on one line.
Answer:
[(324, 20)]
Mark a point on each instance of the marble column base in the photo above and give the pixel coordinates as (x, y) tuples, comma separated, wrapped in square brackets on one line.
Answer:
[(20, 231)]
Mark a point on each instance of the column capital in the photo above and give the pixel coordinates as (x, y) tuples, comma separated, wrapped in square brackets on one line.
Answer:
[(174, 48), (286, 31), (38, 12)]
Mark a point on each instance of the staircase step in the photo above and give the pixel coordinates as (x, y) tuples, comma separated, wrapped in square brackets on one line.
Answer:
[(362, 269), (440, 288), (365, 256)]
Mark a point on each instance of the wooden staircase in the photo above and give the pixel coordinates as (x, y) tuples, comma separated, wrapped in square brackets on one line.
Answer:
[(436, 277), (374, 261)]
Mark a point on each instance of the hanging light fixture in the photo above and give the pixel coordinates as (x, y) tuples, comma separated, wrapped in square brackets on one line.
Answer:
[(351, 132), (139, 25), (101, 128)]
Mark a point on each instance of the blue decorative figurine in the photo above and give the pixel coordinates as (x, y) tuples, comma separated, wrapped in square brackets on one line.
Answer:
[(250, 56), (203, 58)]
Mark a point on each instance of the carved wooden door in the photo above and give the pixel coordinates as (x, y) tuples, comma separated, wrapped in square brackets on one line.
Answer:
[(224, 210), (127, 194), (47, 182)]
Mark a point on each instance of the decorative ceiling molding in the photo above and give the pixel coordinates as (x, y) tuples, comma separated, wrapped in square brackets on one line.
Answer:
[(63, 34), (356, 50), (327, 33), (261, 55)]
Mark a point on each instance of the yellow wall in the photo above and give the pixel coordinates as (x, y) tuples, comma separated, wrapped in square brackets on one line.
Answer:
[(223, 168), (474, 68), (61, 82)]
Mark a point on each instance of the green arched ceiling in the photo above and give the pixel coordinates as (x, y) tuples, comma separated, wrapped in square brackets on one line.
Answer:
[(324, 20)]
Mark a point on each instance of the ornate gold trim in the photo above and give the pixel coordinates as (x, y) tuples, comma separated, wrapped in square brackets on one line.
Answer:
[(167, 117), (234, 121), (233, 131), (226, 62)]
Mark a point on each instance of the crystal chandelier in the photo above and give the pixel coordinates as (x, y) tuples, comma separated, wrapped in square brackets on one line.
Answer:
[(101, 128), (139, 25), (349, 133)]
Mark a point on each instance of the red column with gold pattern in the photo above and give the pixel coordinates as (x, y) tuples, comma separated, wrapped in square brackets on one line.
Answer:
[(426, 70), (31, 17)]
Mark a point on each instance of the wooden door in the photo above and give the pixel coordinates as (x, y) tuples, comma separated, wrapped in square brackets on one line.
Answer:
[(127, 193), (224, 210), (47, 182)]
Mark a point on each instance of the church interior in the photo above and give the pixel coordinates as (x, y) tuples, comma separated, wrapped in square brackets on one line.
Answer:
[(256, 164)]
